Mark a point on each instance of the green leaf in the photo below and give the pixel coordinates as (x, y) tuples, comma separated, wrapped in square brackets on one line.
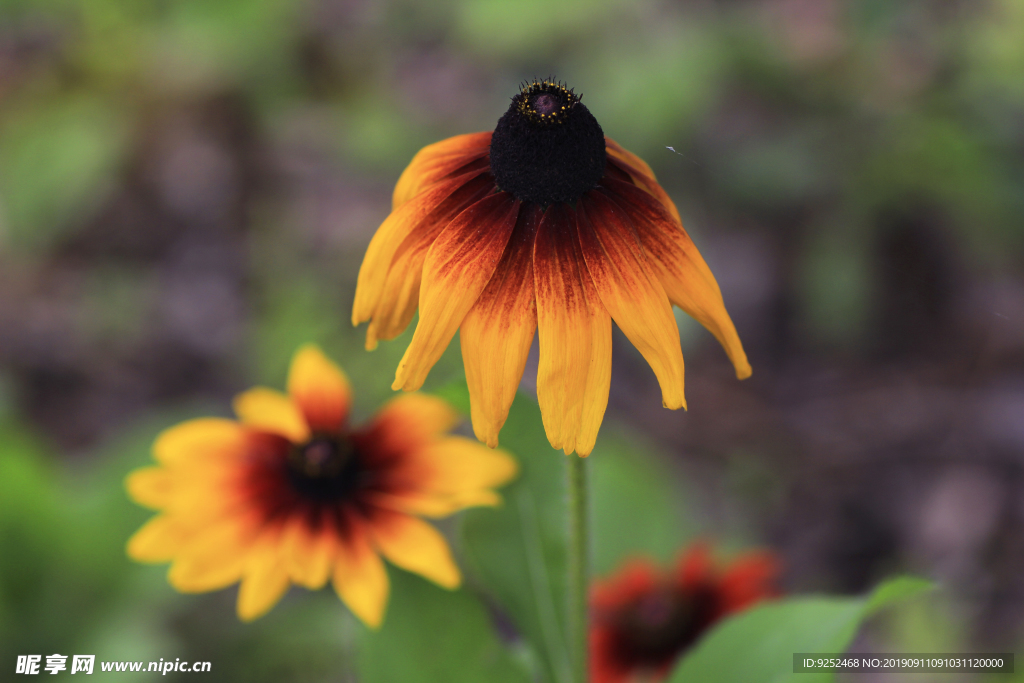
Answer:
[(637, 506), (759, 644), (517, 551), (431, 635)]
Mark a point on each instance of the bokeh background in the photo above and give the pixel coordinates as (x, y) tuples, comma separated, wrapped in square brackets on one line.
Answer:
[(187, 189)]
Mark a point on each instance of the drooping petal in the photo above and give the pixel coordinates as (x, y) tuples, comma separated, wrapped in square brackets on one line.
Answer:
[(574, 372), (400, 296), (320, 389), (497, 332), (159, 539), (631, 293), (415, 546), (152, 487), (361, 580), (435, 161), (308, 553), (682, 271), (212, 559), (264, 578), (271, 411), (641, 174), (201, 440), (390, 235), (458, 266), (618, 152)]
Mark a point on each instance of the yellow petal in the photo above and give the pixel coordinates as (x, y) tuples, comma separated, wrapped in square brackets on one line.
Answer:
[(633, 296), (687, 280), (456, 466), (574, 329), (320, 389), (389, 236), (599, 374), (447, 475), (308, 554), (265, 579), (272, 411), (212, 559), (361, 581), (458, 266), (415, 546), (201, 440), (400, 297), (436, 505), (497, 332), (152, 487), (159, 539), (204, 493), (435, 161)]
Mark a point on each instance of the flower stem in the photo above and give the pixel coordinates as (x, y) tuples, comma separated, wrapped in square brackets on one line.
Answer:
[(579, 566)]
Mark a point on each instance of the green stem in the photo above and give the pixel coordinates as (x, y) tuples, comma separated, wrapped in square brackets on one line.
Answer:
[(579, 566)]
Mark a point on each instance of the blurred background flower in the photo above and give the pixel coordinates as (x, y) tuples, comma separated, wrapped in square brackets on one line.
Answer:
[(187, 188), (645, 617), (291, 493)]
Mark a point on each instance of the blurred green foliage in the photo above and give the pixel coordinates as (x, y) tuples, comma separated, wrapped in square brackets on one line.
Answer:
[(891, 108), (758, 645)]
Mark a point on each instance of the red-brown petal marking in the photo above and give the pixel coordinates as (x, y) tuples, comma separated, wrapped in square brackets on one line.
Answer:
[(646, 183), (407, 421), (574, 329), (401, 289), (458, 266), (695, 567), (320, 389), (434, 162), (683, 273), (747, 580), (498, 330), (389, 236), (632, 295), (641, 174), (619, 152)]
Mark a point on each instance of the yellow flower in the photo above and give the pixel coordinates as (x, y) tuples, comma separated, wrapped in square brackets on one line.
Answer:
[(288, 494), (547, 226)]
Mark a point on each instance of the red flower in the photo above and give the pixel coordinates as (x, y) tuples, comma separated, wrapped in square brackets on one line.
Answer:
[(642, 619)]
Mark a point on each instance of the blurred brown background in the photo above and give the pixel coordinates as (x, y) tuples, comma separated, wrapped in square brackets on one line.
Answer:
[(187, 189)]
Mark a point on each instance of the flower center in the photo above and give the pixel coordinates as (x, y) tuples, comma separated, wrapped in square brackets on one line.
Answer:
[(662, 624), (547, 147), (325, 468)]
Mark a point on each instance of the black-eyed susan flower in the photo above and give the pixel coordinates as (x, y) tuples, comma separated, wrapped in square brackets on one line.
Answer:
[(288, 494), (544, 226), (643, 618)]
